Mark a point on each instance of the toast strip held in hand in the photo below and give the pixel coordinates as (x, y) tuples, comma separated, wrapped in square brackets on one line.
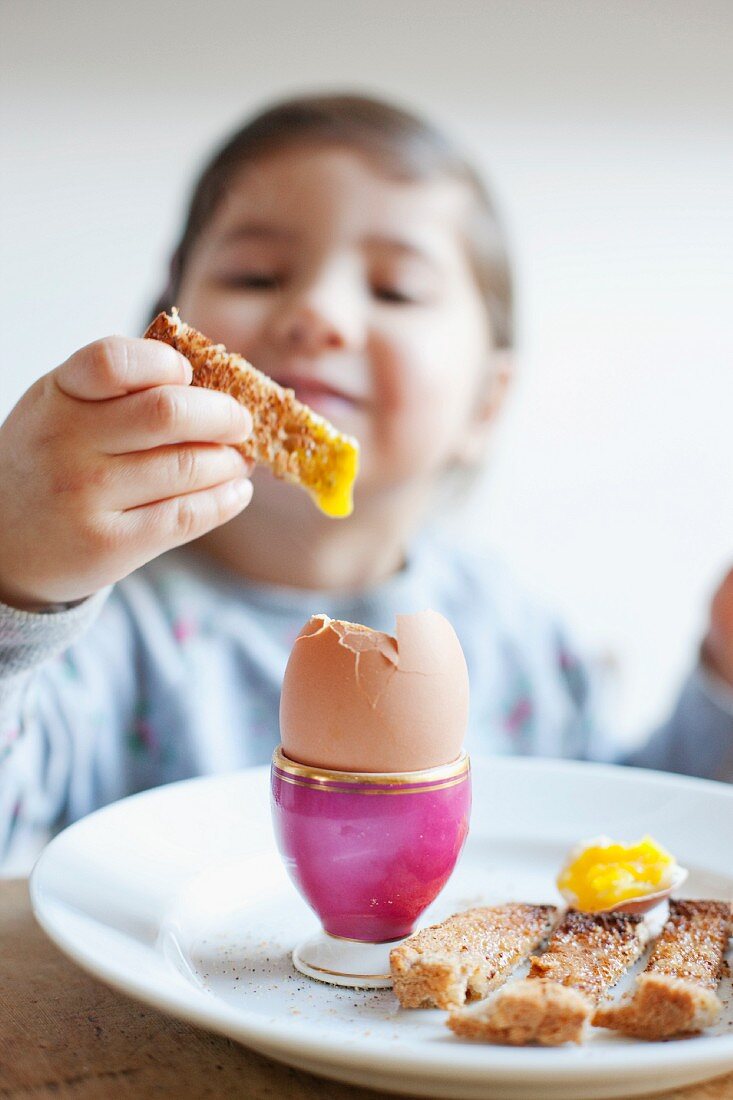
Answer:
[(676, 992), (296, 443), (467, 955), (586, 955)]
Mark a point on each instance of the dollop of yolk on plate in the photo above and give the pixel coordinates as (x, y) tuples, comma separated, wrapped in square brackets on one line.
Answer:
[(603, 873)]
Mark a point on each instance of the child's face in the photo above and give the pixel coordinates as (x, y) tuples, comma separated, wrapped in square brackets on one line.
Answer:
[(355, 290)]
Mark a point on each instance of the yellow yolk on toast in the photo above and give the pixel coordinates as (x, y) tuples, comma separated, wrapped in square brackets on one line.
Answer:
[(296, 443)]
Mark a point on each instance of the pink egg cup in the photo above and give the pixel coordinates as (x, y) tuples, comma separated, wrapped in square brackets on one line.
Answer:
[(368, 852)]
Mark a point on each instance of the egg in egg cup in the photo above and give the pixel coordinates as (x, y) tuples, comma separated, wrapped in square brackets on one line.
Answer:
[(371, 791)]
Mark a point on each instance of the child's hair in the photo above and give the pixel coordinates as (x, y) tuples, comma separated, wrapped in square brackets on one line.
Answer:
[(400, 143)]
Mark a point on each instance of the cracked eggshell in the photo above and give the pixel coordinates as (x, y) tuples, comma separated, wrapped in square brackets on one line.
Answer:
[(358, 700)]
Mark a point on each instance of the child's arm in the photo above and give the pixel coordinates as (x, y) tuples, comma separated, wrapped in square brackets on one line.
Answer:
[(106, 462), (98, 702), (67, 689), (552, 699), (717, 649), (698, 737)]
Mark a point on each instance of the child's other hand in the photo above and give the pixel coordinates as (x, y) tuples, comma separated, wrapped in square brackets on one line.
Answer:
[(106, 462), (717, 649)]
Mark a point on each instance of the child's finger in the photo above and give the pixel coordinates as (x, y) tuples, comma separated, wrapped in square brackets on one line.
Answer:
[(150, 476), (118, 365), (169, 414), (157, 527)]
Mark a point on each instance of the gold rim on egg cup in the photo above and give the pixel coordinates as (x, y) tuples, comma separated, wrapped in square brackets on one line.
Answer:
[(443, 774)]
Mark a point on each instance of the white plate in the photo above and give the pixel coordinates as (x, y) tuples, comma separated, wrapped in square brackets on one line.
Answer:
[(177, 896)]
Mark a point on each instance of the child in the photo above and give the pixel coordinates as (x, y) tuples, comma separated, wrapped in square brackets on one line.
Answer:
[(347, 250)]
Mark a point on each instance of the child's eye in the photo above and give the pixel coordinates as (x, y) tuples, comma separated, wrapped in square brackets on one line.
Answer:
[(253, 280), (394, 296)]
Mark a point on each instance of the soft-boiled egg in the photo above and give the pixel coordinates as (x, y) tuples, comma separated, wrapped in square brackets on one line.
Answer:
[(359, 700), (601, 874)]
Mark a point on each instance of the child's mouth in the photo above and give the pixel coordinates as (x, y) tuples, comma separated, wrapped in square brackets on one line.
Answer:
[(320, 397)]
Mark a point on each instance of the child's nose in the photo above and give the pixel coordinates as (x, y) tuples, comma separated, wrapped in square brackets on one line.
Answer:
[(323, 316), (309, 331)]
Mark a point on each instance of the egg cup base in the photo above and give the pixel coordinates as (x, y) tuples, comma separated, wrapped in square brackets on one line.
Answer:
[(343, 962)]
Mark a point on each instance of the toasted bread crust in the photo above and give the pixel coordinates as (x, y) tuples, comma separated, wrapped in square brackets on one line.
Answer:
[(288, 437), (529, 1011), (676, 993), (660, 1008), (587, 953), (467, 955), (591, 951)]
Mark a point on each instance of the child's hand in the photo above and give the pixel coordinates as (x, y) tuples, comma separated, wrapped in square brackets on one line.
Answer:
[(106, 462), (717, 650)]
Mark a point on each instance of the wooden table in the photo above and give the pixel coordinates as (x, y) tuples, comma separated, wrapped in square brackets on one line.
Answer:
[(63, 1034)]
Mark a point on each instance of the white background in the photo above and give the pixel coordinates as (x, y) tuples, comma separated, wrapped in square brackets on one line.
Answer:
[(606, 128)]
